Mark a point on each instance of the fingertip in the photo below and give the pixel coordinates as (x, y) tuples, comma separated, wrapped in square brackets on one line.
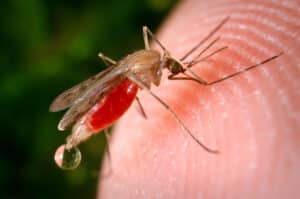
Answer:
[(244, 117)]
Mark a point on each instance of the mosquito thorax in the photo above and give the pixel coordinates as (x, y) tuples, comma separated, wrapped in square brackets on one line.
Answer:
[(146, 64)]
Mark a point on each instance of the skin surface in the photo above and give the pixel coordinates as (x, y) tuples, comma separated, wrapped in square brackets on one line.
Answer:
[(253, 119)]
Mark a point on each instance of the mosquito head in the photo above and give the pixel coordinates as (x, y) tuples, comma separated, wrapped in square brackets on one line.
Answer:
[(172, 64), (176, 67)]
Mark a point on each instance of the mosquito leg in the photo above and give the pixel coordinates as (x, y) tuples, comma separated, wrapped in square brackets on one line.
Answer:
[(108, 137), (146, 39), (144, 86), (187, 65), (206, 48), (108, 61), (147, 31), (190, 64), (141, 107), (212, 32)]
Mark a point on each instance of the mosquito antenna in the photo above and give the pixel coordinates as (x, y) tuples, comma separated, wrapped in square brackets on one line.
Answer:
[(142, 84), (206, 48), (190, 64), (205, 38)]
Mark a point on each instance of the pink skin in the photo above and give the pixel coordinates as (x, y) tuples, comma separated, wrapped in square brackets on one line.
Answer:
[(253, 119)]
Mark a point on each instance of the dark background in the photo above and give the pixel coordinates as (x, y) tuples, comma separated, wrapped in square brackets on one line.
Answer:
[(46, 47)]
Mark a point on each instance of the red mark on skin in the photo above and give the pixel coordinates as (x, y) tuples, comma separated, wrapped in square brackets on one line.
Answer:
[(112, 106)]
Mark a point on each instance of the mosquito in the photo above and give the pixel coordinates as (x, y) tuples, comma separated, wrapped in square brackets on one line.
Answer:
[(96, 103)]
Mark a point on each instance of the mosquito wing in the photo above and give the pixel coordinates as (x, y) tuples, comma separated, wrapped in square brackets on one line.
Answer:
[(66, 99), (95, 91)]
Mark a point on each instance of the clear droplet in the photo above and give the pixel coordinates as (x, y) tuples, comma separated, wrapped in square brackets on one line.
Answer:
[(67, 159)]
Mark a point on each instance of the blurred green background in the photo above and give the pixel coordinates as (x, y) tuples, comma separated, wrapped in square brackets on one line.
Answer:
[(46, 47)]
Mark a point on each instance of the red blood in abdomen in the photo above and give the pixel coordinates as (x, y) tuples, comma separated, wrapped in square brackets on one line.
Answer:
[(112, 106)]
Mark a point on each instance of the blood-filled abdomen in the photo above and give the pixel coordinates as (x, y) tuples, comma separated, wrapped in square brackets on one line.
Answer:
[(104, 113), (112, 106)]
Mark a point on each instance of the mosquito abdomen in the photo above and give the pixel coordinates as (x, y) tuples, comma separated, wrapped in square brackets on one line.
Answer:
[(104, 113)]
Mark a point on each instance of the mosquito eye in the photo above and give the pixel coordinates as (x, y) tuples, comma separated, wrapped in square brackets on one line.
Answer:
[(176, 68)]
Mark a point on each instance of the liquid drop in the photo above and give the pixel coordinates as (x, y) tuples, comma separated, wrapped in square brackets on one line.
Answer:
[(67, 159)]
